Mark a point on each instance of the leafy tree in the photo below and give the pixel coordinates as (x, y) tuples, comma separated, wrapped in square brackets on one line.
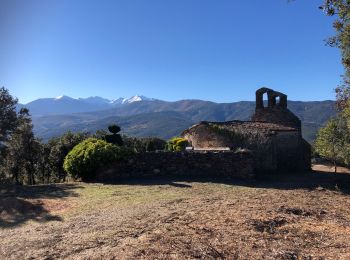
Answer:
[(341, 10), (144, 144), (332, 141), (58, 148), (154, 144), (114, 138), (134, 143)]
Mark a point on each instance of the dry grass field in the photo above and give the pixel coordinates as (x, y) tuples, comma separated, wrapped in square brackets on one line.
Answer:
[(295, 216)]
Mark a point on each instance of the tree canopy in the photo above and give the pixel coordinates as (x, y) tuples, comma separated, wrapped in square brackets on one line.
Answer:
[(8, 114), (340, 9), (332, 141)]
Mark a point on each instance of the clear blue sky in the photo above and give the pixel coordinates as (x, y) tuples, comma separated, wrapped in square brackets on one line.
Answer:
[(219, 50)]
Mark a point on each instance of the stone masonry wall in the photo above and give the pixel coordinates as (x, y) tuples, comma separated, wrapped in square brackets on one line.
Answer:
[(180, 164)]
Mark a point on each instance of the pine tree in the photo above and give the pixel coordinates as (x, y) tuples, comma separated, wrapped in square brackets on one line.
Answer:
[(8, 114), (22, 151)]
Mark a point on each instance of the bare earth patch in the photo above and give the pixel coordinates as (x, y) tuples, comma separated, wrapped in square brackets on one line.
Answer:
[(329, 168), (291, 217)]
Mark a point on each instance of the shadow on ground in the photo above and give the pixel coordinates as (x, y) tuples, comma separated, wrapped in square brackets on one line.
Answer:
[(18, 204), (307, 180)]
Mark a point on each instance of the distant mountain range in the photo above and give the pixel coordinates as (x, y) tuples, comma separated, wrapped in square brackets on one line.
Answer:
[(67, 105), (142, 116)]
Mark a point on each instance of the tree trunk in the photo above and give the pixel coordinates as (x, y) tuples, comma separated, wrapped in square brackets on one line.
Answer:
[(16, 178)]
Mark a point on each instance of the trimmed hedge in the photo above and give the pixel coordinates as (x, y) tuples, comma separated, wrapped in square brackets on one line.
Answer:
[(114, 138)]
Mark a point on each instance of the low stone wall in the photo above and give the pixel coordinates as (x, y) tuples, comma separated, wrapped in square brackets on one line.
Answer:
[(180, 164)]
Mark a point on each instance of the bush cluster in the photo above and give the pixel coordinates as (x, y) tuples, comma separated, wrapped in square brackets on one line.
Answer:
[(177, 144), (86, 157), (144, 144)]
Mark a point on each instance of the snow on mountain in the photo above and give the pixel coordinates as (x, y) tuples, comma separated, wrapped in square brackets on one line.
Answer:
[(63, 97), (59, 97), (118, 101), (67, 105), (100, 100), (136, 98)]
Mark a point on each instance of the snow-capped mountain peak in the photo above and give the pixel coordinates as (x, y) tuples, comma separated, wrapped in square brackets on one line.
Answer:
[(136, 98), (66, 105), (116, 101), (99, 100), (62, 97), (59, 97)]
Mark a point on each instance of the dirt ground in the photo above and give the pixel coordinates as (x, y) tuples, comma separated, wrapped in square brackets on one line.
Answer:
[(294, 216)]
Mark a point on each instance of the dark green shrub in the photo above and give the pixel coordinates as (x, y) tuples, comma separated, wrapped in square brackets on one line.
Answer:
[(100, 134), (114, 129), (177, 144), (150, 147), (86, 157), (134, 144), (114, 138), (144, 144), (154, 144), (58, 148)]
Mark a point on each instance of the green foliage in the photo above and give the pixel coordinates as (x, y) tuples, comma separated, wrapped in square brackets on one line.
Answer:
[(57, 149), (144, 144), (135, 144), (23, 151), (114, 138), (333, 142), (150, 147), (8, 115), (100, 134), (19, 150), (340, 9), (177, 144), (26, 160), (154, 144), (85, 158), (236, 137), (114, 129)]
